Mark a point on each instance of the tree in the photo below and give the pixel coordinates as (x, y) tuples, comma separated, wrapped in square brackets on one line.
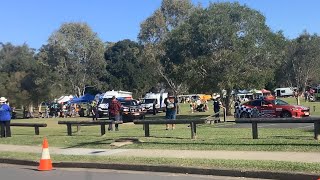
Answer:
[(125, 68), (153, 34), (75, 53), (302, 63), (16, 63), (226, 46)]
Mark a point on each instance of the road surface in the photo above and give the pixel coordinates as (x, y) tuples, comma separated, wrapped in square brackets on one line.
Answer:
[(14, 172)]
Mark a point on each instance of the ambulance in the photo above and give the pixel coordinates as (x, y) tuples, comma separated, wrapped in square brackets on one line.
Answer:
[(104, 103)]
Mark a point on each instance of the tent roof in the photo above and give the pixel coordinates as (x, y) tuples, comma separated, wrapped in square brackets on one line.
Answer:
[(83, 99), (63, 99), (265, 91)]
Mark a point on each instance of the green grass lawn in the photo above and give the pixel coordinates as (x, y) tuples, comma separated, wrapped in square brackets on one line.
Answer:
[(209, 138), (314, 106)]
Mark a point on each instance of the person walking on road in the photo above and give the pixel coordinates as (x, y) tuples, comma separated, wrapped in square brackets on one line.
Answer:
[(5, 118), (114, 112)]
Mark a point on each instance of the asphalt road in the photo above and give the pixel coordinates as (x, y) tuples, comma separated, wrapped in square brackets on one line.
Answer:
[(14, 172)]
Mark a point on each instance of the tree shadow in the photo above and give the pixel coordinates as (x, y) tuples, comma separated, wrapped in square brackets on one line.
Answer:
[(227, 144), (197, 116), (93, 143)]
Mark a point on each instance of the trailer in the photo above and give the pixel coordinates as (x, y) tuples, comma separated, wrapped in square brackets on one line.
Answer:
[(285, 92)]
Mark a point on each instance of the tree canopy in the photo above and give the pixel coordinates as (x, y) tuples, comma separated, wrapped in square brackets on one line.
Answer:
[(180, 47)]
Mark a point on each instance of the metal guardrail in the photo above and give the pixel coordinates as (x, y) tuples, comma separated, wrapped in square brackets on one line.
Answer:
[(255, 121)]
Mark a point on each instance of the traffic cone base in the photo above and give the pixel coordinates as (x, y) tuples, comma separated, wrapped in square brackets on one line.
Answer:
[(45, 165), (45, 161)]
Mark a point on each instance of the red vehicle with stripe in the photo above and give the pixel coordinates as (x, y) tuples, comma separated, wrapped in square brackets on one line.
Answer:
[(270, 107)]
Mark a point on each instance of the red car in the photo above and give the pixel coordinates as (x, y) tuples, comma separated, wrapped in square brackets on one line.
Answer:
[(270, 108)]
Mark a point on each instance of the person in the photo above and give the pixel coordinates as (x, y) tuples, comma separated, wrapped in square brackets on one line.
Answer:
[(171, 109), (154, 110), (237, 103), (114, 112), (191, 106), (5, 118), (94, 110), (216, 108), (306, 95)]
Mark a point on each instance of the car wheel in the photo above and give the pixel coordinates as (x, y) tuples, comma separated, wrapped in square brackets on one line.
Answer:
[(286, 114), (244, 115)]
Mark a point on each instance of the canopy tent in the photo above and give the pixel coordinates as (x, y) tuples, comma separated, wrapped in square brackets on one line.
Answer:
[(264, 91), (63, 99), (83, 99), (98, 97), (244, 91)]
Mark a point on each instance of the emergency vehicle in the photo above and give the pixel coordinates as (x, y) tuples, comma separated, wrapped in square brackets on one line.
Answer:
[(156, 99), (270, 107), (104, 103)]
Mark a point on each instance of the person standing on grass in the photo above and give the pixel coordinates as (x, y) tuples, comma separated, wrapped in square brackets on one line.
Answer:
[(114, 112), (94, 110), (5, 118), (171, 109), (216, 108)]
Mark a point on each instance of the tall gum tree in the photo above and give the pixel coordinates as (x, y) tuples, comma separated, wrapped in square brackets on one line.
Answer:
[(226, 46), (153, 33), (76, 54)]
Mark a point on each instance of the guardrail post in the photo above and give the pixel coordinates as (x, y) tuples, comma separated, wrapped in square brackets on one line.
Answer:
[(255, 130), (69, 129), (316, 130), (224, 114), (193, 130), (36, 130), (146, 130), (103, 129)]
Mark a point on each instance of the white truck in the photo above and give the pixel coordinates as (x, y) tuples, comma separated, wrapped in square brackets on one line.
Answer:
[(104, 103), (154, 98)]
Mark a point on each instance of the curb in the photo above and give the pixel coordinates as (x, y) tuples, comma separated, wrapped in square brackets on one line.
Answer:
[(174, 169)]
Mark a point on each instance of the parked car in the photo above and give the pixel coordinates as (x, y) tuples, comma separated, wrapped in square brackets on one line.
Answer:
[(270, 107), (131, 110)]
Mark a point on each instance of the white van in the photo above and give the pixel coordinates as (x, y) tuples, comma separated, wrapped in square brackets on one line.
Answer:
[(285, 92), (157, 98), (104, 103)]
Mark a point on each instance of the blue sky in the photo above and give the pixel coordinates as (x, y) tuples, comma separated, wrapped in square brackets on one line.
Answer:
[(33, 21)]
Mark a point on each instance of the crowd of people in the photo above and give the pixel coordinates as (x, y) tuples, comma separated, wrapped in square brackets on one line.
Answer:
[(72, 110), (309, 95)]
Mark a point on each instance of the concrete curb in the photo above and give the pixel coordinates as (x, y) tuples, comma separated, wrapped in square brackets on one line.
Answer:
[(173, 169)]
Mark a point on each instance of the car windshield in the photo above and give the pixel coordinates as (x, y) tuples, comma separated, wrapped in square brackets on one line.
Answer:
[(279, 102), (105, 100), (129, 103), (148, 101)]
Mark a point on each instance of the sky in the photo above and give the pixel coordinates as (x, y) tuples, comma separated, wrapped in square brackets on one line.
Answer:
[(33, 21)]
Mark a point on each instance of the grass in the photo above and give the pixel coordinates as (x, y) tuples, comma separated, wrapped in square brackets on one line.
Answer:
[(278, 166), (210, 137), (314, 106)]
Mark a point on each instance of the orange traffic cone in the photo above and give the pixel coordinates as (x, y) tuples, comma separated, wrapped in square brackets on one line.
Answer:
[(45, 161)]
